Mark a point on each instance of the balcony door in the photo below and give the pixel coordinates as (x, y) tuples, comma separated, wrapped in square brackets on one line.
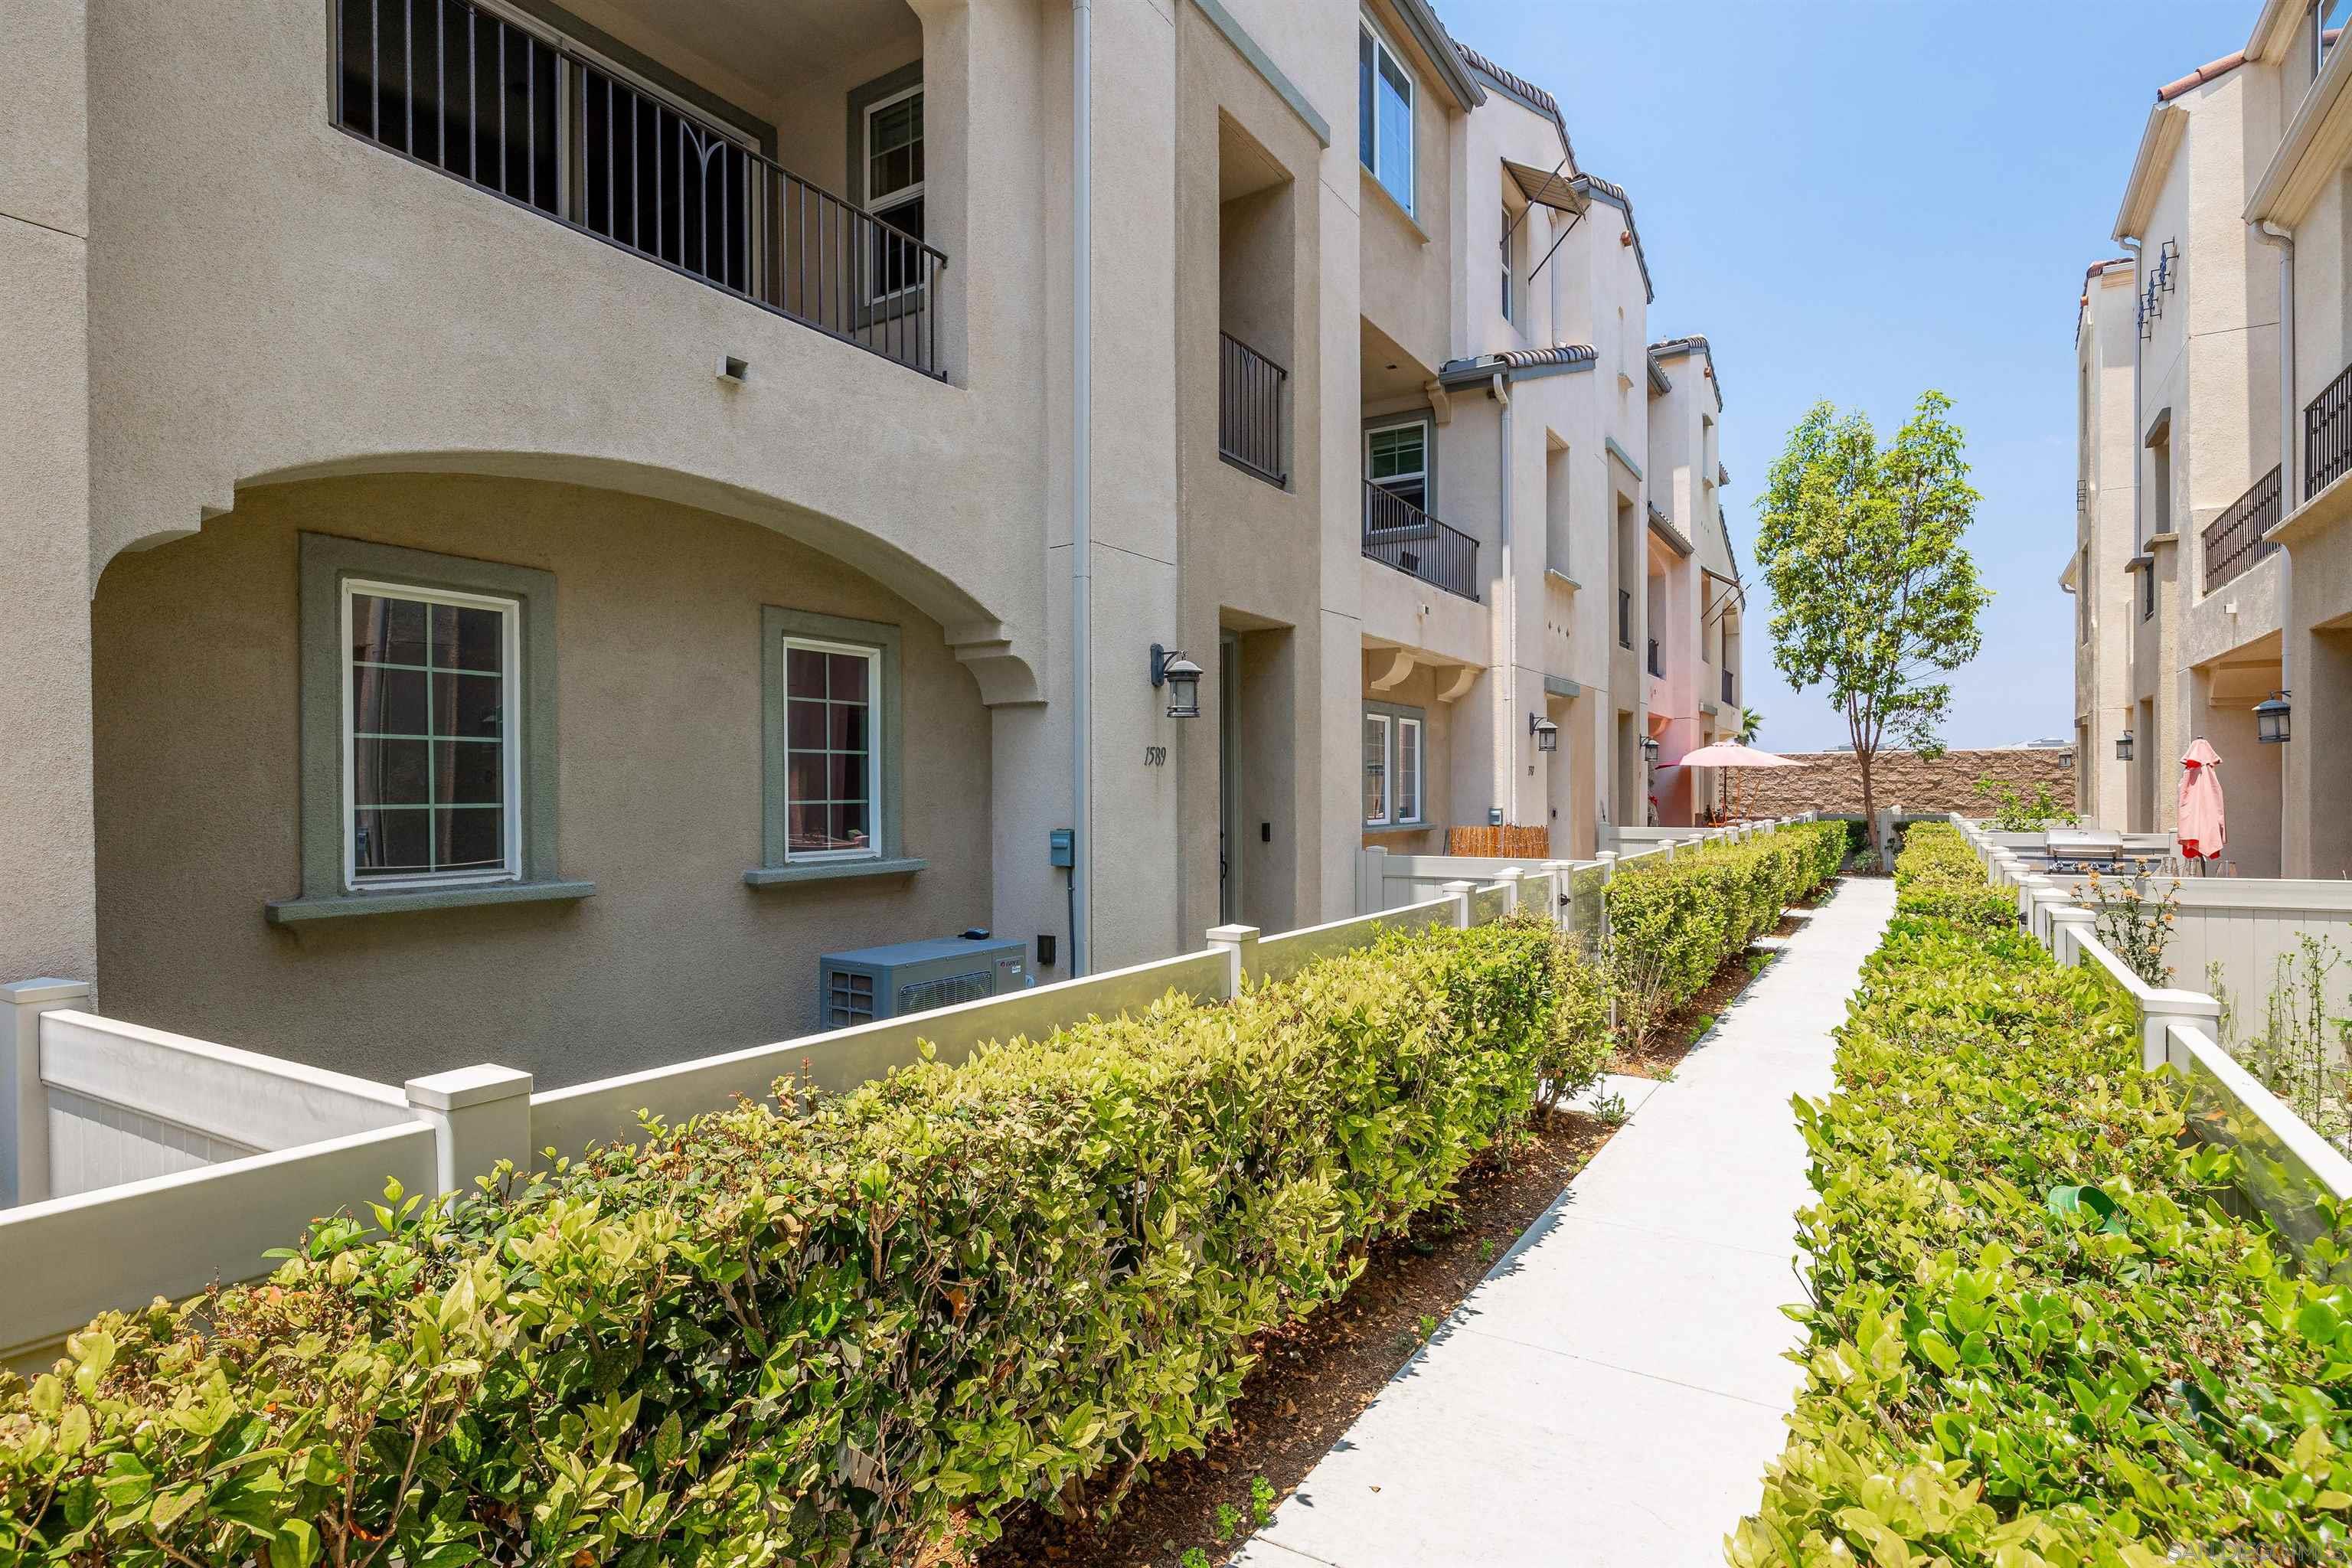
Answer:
[(1396, 460)]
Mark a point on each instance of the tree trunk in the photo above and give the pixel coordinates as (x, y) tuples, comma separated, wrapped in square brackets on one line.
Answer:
[(1869, 805)]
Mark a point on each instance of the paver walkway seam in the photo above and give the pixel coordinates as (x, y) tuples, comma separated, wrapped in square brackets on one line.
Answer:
[(1525, 1432)]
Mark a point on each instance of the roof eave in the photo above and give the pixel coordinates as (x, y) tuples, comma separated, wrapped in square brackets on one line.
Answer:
[(2158, 139), (1438, 44)]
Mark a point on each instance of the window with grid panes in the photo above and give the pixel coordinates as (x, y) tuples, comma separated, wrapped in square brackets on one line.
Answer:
[(833, 765)]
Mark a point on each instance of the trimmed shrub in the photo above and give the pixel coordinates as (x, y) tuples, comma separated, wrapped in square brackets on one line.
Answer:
[(1940, 875), (2036, 1334), (1672, 922), (820, 1333)]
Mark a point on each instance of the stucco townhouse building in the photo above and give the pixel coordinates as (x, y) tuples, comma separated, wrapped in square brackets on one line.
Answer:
[(1549, 599), (2224, 415), (529, 524)]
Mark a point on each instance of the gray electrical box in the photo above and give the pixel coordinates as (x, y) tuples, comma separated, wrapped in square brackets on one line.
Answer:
[(915, 977)]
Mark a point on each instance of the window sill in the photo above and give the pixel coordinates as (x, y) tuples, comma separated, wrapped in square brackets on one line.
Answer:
[(406, 900), (1396, 827), (829, 871), (1389, 198)]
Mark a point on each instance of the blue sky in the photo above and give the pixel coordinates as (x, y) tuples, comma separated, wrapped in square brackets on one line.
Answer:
[(1857, 199)]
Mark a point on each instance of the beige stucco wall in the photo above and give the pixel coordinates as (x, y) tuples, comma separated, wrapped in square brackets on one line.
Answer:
[(1407, 272), (194, 687)]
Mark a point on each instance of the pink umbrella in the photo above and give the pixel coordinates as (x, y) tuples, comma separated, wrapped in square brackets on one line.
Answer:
[(2202, 831), (1732, 754)]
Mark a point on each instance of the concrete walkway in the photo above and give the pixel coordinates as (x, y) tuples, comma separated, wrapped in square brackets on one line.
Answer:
[(1608, 1396)]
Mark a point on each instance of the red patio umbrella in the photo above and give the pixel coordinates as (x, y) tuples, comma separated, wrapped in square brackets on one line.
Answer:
[(2203, 830)]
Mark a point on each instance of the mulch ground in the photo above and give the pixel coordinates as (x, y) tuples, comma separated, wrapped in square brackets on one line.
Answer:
[(1315, 1378)]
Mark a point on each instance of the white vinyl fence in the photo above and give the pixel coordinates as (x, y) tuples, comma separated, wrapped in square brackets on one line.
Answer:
[(2285, 1167)]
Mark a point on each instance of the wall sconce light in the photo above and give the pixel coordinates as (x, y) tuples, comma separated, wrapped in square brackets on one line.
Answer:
[(1650, 749), (1183, 678), (2271, 720), (1546, 732), (2124, 747)]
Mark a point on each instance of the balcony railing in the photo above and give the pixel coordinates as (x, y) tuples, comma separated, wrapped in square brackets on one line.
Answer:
[(1624, 618), (495, 105), (1657, 666), (1727, 686), (1399, 534), (2234, 542), (2327, 436), (1249, 410)]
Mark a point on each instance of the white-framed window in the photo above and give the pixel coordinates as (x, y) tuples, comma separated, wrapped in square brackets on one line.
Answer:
[(1384, 115), (1510, 308), (2327, 22), (833, 771), (893, 187), (1396, 458), (1392, 766), (432, 743)]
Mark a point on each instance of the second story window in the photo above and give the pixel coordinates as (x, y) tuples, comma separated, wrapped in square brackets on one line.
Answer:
[(1384, 116), (1510, 312), (2327, 19), (894, 183), (1396, 459)]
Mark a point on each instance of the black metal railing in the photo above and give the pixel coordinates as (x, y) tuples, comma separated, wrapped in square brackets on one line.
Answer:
[(1249, 410), (491, 103), (2234, 542), (2327, 436), (1399, 534), (1657, 667), (1727, 686), (1624, 618)]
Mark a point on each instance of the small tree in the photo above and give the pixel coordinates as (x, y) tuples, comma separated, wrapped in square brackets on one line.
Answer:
[(1871, 595), (1751, 724)]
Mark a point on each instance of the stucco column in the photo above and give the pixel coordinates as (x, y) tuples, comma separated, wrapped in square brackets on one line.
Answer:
[(48, 922)]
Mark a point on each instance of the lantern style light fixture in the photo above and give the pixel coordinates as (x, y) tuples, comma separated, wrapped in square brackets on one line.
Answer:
[(2124, 747), (1650, 749), (1546, 732), (1182, 677), (2271, 720)]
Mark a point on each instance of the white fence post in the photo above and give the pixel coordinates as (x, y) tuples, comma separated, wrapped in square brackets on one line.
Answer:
[(2160, 1009), (480, 1115), (1511, 877), (1239, 944), (1371, 880), (1561, 872), (24, 1103), (1460, 893), (2068, 923)]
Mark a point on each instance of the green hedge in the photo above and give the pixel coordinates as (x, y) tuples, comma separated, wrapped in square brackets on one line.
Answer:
[(2036, 1335), (1940, 874), (1672, 922), (813, 1334)]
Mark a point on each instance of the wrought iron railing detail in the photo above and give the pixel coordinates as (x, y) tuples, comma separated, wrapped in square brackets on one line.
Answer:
[(1657, 666), (1727, 686), (1249, 409), (487, 101), (2234, 542), (2327, 436), (1399, 534), (1625, 617)]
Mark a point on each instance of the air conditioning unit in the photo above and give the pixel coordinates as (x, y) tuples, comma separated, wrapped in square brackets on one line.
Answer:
[(916, 976)]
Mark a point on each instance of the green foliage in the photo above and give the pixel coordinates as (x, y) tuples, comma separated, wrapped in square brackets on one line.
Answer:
[(1873, 596), (2136, 926), (1672, 922), (2014, 813), (2036, 1335), (2300, 1049), (1939, 875), (819, 1332)]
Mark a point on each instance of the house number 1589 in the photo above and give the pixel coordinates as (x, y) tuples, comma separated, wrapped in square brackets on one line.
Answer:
[(1155, 756)]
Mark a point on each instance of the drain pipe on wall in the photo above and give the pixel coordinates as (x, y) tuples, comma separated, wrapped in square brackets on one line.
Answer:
[(2283, 239), (1082, 394), (1507, 741)]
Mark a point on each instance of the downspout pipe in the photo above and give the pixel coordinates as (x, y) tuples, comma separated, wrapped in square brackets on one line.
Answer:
[(1508, 743), (2283, 239), (2139, 414), (1082, 396)]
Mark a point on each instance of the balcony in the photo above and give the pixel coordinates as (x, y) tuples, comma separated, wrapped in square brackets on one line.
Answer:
[(1625, 617), (2234, 542), (2327, 436), (1727, 686), (1399, 534), (1656, 665), (494, 104), (1249, 410)]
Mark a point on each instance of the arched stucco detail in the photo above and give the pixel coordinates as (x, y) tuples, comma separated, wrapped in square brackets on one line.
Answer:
[(1005, 671)]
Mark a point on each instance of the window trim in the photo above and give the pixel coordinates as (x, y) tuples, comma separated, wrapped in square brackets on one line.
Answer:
[(325, 562), (1510, 269), (1393, 718), (514, 719), (1409, 199), (871, 653), (1426, 420), (780, 627)]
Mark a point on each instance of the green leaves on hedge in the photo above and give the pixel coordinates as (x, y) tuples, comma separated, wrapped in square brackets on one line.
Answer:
[(2038, 1336)]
